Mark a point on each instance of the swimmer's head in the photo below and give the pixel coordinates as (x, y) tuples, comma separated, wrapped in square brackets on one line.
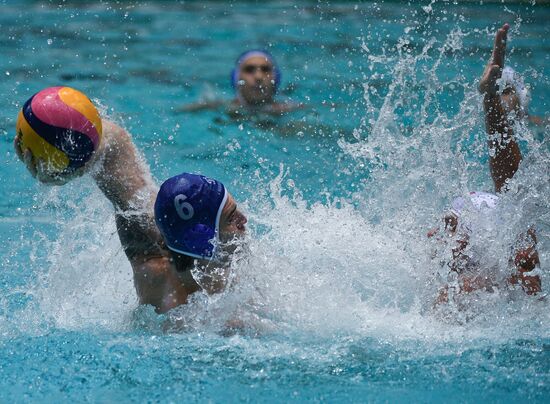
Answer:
[(477, 199), (256, 77), (515, 95), (195, 213), (474, 202)]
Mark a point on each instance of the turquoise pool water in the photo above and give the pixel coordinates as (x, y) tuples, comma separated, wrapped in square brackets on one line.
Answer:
[(337, 289)]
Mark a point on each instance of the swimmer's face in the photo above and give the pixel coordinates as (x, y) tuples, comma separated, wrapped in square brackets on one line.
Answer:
[(232, 221), (257, 80)]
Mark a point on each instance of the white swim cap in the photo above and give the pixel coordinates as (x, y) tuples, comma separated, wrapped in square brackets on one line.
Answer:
[(473, 208), (479, 200), (511, 78)]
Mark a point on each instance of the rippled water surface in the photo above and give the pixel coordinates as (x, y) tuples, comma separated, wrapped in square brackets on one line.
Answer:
[(336, 290)]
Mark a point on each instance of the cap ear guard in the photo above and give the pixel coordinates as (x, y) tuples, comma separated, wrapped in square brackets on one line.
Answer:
[(202, 236)]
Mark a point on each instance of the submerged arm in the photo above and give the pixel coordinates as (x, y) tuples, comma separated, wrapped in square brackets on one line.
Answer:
[(201, 106)]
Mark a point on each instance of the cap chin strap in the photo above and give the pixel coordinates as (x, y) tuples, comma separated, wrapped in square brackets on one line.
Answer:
[(188, 253)]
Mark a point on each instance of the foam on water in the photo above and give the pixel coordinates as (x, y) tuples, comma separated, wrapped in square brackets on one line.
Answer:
[(356, 266), (319, 270)]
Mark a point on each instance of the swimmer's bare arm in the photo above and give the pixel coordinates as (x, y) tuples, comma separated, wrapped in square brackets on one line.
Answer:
[(120, 174), (236, 109), (539, 120), (506, 159), (202, 106), (507, 156), (126, 182)]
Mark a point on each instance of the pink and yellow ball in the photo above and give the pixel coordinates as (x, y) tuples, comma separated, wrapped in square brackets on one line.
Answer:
[(61, 127)]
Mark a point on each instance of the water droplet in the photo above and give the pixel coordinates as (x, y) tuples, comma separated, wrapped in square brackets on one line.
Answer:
[(50, 41)]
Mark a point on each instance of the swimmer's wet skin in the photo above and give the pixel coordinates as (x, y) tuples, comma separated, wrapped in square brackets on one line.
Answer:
[(195, 214), (503, 163)]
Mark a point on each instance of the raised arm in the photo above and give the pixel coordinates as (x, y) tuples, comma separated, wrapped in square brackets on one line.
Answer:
[(121, 175), (126, 181), (506, 158)]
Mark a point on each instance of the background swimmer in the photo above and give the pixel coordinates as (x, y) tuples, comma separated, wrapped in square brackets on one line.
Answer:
[(504, 163), (256, 79), (162, 271)]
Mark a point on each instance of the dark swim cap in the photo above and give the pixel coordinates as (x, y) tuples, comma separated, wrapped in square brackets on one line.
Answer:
[(187, 213), (248, 54)]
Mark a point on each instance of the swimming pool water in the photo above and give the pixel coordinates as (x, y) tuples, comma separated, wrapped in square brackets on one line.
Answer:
[(337, 286)]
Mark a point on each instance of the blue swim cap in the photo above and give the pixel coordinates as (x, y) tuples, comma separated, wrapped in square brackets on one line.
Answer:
[(187, 213), (248, 54)]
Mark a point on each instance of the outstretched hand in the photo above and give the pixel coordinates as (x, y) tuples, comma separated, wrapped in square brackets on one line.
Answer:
[(493, 71)]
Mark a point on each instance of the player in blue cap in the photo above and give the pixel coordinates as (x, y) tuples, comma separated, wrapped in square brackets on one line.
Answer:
[(189, 224), (195, 221), (188, 212), (256, 79)]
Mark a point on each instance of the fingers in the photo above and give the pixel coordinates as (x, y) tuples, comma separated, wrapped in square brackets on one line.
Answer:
[(17, 147), (499, 49), (38, 168), (28, 159), (46, 176), (25, 156)]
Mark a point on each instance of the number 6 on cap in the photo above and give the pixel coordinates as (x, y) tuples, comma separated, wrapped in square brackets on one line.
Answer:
[(184, 209)]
